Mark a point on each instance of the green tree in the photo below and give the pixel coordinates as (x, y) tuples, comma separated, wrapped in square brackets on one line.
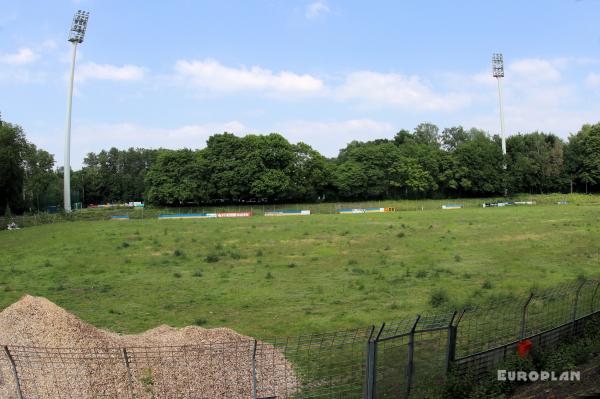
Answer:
[(177, 178), (13, 149), (583, 157)]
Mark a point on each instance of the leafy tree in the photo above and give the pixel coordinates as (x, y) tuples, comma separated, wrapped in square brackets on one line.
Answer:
[(583, 157), (40, 180), (483, 162), (13, 148), (427, 133), (177, 178)]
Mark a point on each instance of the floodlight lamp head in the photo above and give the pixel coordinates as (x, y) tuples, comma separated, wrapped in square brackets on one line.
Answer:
[(77, 32), (497, 65)]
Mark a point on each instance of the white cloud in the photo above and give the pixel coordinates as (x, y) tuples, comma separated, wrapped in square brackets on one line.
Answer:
[(329, 137), (535, 69), (211, 75), (392, 89), (593, 79), (23, 56), (93, 71), (313, 10)]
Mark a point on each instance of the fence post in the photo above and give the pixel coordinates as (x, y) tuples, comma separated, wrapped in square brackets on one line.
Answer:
[(593, 308), (372, 363), (129, 378), (411, 351), (254, 370), (574, 317), (451, 349), (524, 316), (13, 367)]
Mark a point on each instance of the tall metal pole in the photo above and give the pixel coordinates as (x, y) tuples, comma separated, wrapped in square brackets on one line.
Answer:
[(67, 167), (498, 73), (76, 35), (502, 135)]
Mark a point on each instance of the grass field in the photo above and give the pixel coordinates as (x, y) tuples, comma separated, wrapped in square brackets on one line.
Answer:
[(282, 276)]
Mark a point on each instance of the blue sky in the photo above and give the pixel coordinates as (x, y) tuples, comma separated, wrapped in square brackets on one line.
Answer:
[(325, 72)]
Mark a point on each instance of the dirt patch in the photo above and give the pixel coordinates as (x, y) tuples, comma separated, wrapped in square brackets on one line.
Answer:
[(59, 355)]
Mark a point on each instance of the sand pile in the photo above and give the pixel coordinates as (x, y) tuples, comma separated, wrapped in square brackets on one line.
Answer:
[(58, 355)]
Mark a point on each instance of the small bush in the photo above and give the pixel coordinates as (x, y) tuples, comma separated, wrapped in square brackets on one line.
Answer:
[(438, 298), (387, 248), (269, 276), (487, 285), (178, 253), (457, 258), (177, 275), (291, 265), (211, 258), (47, 263), (125, 244), (352, 262), (200, 322), (259, 252), (421, 274), (400, 235), (197, 273)]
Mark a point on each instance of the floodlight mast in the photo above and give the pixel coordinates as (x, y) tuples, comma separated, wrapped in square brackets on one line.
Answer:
[(76, 35), (498, 72)]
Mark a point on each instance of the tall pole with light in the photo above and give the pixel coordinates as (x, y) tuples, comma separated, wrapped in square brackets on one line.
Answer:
[(498, 72), (76, 36)]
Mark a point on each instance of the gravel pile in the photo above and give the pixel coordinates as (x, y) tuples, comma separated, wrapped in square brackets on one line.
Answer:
[(58, 355)]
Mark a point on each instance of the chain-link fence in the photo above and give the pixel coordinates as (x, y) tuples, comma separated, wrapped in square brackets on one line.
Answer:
[(406, 358)]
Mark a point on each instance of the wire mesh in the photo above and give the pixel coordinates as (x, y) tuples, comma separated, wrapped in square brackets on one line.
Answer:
[(484, 328), (409, 355), (330, 365)]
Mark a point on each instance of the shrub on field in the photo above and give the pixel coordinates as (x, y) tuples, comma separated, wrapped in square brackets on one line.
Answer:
[(438, 297), (421, 274), (487, 285), (178, 252), (211, 258)]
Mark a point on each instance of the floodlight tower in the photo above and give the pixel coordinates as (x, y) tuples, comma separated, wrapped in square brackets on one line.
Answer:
[(498, 72), (76, 35)]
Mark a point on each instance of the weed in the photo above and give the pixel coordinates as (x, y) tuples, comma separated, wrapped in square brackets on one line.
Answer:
[(211, 258), (178, 253), (177, 275), (438, 297)]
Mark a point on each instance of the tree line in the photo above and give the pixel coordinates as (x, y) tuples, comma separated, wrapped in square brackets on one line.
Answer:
[(423, 163)]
